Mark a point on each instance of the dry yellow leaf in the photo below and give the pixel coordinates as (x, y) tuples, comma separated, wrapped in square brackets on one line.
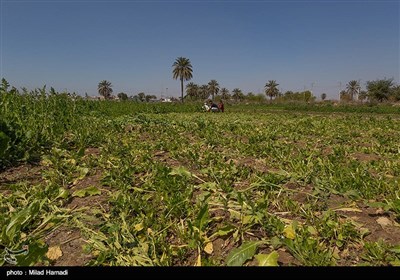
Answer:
[(209, 248), (198, 263), (139, 227), (348, 209), (54, 252), (289, 232)]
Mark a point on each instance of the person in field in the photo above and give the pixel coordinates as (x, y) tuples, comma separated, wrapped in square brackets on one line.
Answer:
[(221, 106), (212, 106)]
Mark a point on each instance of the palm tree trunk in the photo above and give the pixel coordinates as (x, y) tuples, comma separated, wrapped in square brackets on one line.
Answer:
[(182, 89)]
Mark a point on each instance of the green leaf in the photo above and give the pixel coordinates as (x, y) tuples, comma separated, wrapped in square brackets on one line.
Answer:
[(223, 231), (396, 262), (181, 171), (89, 191), (202, 217), (62, 193), (268, 260), (312, 230), (376, 204), (37, 252), (19, 220), (238, 256), (276, 242), (395, 249), (4, 140)]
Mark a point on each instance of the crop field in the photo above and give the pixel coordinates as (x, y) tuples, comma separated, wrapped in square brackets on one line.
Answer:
[(106, 183)]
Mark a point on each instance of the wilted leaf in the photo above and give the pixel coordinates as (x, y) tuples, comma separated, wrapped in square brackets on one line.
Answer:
[(83, 171), (396, 262), (248, 219), (181, 171), (312, 230), (268, 260), (62, 193), (54, 253), (395, 249), (352, 194), (276, 242), (223, 231), (139, 226), (209, 248), (89, 191), (289, 232), (92, 190), (198, 263), (348, 210), (238, 256)]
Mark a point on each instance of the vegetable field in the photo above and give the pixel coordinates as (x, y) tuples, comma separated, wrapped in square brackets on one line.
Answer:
[(118, 183)]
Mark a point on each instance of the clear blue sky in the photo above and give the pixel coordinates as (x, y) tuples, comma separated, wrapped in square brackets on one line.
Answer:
[(74, 45)]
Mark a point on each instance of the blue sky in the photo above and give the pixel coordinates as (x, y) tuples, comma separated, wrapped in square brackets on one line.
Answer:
[(316, 45)]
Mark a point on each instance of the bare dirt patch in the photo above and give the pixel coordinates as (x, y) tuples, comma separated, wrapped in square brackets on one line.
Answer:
[(365, 157), (71, 244), (26, 172), (335, 201), (92, 152), (381, 225), (165, 157), (300, 193)]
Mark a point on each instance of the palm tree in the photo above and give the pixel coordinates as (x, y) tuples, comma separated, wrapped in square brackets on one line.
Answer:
[(353, 88), (182, 70), (105, 89), (271, 89), (363, 95), (203, 92), (213, 87), (225, 93), (192, 90), (237, 94)]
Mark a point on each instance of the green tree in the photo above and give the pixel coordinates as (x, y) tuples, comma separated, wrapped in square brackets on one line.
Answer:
[(105, 89), (225, 93), (192, 91), (308, 96), (395, 93), (142, 96), (363, 95), (213, 88), (323, 96), (150, 97), (204, 92), (353, 88), (271, 89), (237, 94), (379, 89), (182, 70), (122, 96)]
